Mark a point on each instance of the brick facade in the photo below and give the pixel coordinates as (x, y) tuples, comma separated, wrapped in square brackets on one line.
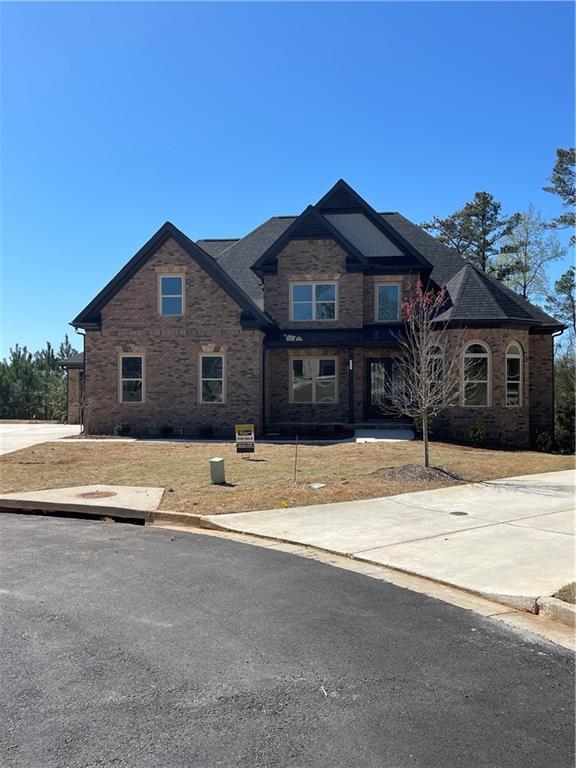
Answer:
[(506, 426), (320, 260), (75, 384), (541, 385), (171, 347)]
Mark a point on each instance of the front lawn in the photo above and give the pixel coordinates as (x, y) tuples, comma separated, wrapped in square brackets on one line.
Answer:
[(350, 470)]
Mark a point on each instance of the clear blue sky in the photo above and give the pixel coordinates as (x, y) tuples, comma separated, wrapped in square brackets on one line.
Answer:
[(117, 117)]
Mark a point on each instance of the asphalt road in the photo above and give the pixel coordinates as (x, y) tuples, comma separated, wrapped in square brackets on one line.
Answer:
[(128, 646)]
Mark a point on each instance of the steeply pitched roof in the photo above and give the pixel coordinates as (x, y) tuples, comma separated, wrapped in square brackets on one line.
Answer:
[(90, 315), (372, 240), (473, 296), (342, 199), (239, 257), (310, 224)]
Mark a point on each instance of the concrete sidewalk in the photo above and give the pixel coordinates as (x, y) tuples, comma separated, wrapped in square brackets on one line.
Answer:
[(511, 540)]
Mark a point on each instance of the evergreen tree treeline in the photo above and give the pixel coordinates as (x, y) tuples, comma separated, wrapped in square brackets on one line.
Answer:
[(33, 385)]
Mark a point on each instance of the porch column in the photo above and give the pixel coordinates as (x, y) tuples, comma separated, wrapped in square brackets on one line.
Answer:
[(350, 386)]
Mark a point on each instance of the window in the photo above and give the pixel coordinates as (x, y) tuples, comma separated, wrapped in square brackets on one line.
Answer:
[(171, 295), (314, 380), (387, 302), (131, 378), (313, 301), (476, 375), (436, 365), (212, 379), (514, 376)]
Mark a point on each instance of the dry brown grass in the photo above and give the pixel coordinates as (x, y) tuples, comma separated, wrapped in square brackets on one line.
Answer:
[(567, 593), (351, 471)]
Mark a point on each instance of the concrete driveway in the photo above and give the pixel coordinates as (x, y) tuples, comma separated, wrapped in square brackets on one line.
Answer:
[(13, 437), (510, 539)]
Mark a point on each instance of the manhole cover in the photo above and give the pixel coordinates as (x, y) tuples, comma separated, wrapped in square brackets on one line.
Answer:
[(97, 494)]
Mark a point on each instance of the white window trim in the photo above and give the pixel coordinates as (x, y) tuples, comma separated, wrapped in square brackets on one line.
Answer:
[(172, 295), (291, 379), (521, 380), (314, 283), (398, 285), (121, 378), (488, 355), (201, 379)]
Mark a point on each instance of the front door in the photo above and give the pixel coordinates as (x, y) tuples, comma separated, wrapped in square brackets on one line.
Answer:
[(379, 371)]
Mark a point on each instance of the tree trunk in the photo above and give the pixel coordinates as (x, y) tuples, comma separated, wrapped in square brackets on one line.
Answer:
[(425, 440)]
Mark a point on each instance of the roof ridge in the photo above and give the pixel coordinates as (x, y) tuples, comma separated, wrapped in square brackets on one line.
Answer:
[(460, 290), (216, 239)]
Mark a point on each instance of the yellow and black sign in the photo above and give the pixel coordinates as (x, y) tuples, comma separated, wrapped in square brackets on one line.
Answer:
[(244, 438)]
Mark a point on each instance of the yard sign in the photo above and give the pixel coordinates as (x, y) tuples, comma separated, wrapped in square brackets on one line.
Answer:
[(244, 438)]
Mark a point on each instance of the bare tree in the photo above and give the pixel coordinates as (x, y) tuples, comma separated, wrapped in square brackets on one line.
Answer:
[(425, 378)]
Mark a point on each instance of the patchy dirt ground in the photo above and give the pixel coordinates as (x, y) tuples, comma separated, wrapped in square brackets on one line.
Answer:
[(266, 480)]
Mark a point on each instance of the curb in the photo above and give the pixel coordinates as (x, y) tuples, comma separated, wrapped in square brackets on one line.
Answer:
[(526, 604), (557, 610), (27, 506)]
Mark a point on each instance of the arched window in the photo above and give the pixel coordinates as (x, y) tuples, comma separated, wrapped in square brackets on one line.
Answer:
[(514, 375), (476, 375)]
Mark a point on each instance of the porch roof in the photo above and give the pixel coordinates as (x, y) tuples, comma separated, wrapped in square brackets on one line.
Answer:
[(369, 336)]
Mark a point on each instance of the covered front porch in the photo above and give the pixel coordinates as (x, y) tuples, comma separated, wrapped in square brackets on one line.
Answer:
[(329, 378)]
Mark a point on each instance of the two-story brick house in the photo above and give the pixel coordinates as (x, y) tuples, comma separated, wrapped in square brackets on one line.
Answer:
[(289, 327)]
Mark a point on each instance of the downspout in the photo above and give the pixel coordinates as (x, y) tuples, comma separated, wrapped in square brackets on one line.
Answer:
[(554, 335), (263, 389), (350, 386)]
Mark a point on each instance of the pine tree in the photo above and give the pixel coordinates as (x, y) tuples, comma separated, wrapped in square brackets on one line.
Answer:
[(563, 184), (562, 303), (476, 231)]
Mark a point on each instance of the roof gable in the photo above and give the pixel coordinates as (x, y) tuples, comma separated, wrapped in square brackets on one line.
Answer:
[(310, 225), (343, 199), (90, 315)]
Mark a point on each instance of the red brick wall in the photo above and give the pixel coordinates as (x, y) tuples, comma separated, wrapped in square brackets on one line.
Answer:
[(75, 377), (171, 347), (505, 426), (541, 385), (320, 260)]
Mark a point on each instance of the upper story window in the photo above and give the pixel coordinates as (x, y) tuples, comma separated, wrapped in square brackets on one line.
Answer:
[(476, 375), (171, 295), (312, 301), (387, 299), (514, 376), (313, 380), (212, 388), (131, 379)]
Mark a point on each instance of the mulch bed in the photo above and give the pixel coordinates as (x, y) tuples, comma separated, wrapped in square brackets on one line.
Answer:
[(419, 472)]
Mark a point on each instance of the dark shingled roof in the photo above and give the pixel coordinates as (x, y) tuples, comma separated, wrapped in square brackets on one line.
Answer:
[(76, 361), (215, 247), (238, 259), (474, 296), (379, 241)]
